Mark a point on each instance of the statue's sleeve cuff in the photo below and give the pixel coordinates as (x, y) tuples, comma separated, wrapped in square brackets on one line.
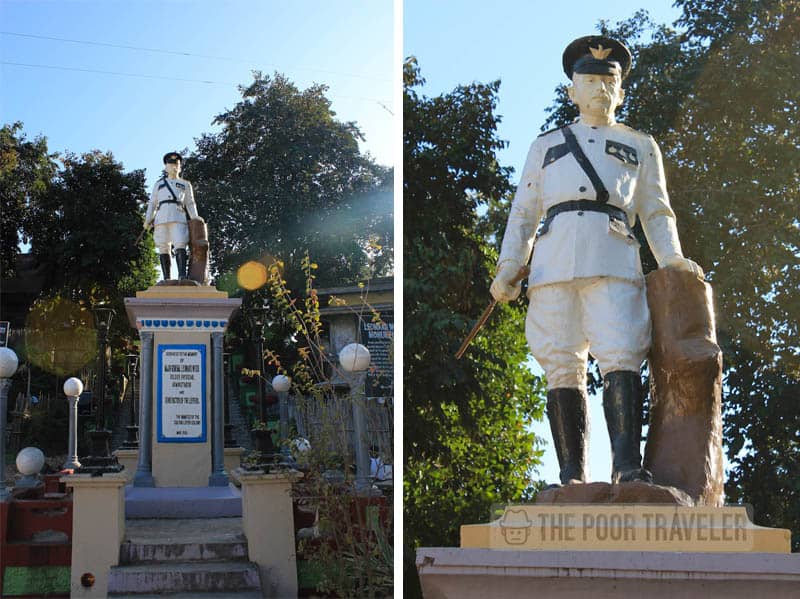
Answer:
[(504, 261)]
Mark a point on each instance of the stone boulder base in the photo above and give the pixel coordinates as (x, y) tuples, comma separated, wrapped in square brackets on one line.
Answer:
[(600, 492)]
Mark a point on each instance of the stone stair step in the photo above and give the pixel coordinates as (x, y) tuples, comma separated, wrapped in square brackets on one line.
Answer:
[(186, 577), (192, 530), (162, 540), (222, 595), (138, 553), (183, 502)]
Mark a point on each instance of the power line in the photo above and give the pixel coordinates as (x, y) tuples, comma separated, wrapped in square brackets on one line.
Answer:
[(145, 76), (118, 73), (182, 53)]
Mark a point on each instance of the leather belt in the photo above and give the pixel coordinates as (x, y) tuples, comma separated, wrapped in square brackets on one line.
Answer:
[(578, 205)]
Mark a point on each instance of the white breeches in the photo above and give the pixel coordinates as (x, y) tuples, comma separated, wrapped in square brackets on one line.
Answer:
[(605, 316), (175, 233)]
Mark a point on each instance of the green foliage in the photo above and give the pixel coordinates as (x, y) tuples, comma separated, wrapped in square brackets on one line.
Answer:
[(351, 548), (47, 428), (26, 171), (92, 215), (284, 178), (84, 230), (721, 97), (465, 439), (60, 336)]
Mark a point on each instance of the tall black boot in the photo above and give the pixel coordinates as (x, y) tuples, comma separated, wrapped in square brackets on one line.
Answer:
[(165, 265), (569, 423), (181, 259), (622, 404)]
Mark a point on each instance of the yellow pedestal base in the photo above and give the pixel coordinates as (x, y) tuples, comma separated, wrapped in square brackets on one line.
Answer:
[(181, 291), (625, 528)]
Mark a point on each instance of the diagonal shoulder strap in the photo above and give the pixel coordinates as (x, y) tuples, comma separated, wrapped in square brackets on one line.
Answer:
[(583, 161), (169, 187)]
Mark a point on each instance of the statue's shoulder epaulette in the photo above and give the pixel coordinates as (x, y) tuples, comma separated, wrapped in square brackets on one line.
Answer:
[(634, 132), (548, 132)]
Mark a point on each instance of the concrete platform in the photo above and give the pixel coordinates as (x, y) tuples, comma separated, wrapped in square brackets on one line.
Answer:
[(183, 502), (222, 595), (165, 540), (478, 573), (192, 577)]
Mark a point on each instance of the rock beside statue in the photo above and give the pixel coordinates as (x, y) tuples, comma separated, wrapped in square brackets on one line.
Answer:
[(601, 492), (684, 440)]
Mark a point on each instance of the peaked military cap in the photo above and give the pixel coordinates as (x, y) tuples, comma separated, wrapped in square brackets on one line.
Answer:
[(172, 157), (597, 55)]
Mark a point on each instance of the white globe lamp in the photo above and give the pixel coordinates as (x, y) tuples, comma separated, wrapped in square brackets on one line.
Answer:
[(354, 357), (8, 363), (73, 387), (8, 366), (29, 463), (281, 383)]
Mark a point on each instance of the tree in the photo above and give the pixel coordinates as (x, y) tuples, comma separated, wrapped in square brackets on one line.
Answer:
[(284, 177), (26, 171), (466, 445), (91, 217), (84, 230), (721, 97)]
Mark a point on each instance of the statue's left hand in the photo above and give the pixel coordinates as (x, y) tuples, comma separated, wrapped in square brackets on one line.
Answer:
[(684, 264)]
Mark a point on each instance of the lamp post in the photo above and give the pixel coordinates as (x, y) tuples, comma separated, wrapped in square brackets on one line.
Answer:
[(354, 359), (73, 388), (101, 460), (257, 336), (230, 441), (132, 442), (101, 437), (8, 366), (281, 384)]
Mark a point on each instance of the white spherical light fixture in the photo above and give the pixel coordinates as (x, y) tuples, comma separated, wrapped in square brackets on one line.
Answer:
[(281, 383), (354, 357), (73, 387), (8, 363), (301, 445), (30, 461)]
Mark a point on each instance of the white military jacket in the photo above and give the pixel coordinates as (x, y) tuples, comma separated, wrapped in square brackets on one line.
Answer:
[(162, 209), (590, 244)]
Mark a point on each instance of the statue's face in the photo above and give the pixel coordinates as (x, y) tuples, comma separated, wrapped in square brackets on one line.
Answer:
[(173, 169), (596, 95)]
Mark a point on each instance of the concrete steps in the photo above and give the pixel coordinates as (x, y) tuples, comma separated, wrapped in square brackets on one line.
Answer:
[(184, 558), (222, 595), (184, 577), (183, 502)]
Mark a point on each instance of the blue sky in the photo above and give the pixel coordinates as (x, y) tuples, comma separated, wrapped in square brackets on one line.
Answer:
[(519, 42), (346, 45)]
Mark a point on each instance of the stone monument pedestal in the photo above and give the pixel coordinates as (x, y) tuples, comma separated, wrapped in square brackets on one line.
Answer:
[(181, 415), (625, 527), (613, 548), (98, 527), (449, 572)]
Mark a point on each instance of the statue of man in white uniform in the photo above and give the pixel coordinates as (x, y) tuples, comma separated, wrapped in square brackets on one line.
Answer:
[(590, 181), (171, 205)]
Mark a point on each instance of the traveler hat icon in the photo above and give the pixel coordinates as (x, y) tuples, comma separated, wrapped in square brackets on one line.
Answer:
[(515, 526)]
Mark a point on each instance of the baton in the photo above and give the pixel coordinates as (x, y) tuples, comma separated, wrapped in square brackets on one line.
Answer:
[(138, 239), (523, 272)]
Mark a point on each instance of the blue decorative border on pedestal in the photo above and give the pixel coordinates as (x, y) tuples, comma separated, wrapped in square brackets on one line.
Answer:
[(204, 398), (181, 324)]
